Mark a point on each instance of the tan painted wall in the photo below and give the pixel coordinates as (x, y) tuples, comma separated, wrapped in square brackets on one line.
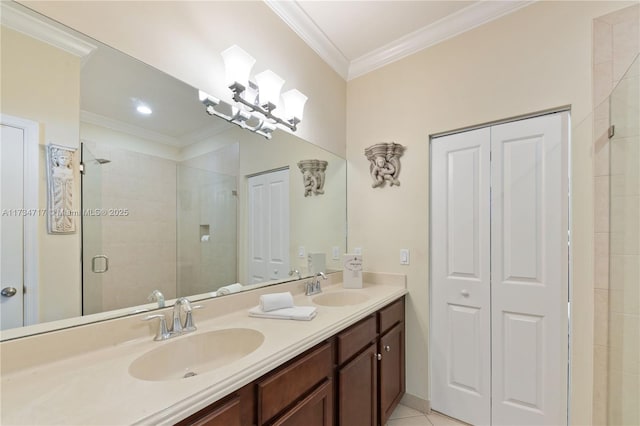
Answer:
[(43, 86), (185, 38), (534, 59)]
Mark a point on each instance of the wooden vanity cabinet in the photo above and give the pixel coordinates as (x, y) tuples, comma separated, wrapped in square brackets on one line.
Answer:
[(371, 384), (223, 413), (357, 372), (391, 368), (301, 386), (356, 378)]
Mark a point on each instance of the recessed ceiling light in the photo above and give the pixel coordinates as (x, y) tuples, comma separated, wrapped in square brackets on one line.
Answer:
[(143, 109)]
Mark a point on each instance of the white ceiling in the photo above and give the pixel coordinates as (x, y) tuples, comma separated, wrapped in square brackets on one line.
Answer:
[(356, 37)]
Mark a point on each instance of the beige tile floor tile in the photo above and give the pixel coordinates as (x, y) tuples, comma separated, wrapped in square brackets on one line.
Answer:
[(438, 419), (405, 416)]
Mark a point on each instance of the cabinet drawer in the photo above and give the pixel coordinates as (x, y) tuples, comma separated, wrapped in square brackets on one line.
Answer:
[(314, 410), (284, 387), (356, 338), (390, 316), (226, 413)]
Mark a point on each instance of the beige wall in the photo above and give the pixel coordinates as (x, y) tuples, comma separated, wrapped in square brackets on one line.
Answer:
[(185, 39), (534, 59), (43, 86)]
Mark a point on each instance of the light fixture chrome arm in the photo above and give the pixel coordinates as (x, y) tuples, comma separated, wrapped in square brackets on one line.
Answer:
[(239, 116), (266, 109)]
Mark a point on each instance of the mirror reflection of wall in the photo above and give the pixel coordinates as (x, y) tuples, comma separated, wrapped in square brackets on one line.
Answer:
[(173, 183)]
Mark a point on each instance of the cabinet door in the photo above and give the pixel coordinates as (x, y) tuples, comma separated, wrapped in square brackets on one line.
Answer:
[(219, 414), (357, 390), (391, 372), (314, 410)]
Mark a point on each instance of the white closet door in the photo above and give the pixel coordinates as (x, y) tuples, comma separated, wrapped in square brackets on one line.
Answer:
[(460, 291), (529, 262)]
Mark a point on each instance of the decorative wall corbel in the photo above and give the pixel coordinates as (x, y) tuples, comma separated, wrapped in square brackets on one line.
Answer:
[(60, 185), (313, 176), (385, 163)]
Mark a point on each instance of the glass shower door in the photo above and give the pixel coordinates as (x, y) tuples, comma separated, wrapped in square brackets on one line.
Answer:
[(94, 265), (624, 272)]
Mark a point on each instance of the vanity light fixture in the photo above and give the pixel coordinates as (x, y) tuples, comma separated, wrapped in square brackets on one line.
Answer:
[(256, 101)]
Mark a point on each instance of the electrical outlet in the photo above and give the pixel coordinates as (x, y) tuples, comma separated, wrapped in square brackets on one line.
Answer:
[(357, 250), (335, 253), (301, 252), (404, 256)]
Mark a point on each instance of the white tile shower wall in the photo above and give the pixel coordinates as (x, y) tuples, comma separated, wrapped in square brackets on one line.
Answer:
[(141, 245), (616, 335), (206, 199)]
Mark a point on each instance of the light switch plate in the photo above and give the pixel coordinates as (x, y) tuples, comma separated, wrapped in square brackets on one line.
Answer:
[(301, 252), (335, 253), (404, 256)]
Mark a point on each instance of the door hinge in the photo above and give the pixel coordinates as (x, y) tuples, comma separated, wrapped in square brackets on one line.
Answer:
[(611, 131), (81, 168)]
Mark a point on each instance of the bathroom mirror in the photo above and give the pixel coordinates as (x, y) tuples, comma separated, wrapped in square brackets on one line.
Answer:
[(188, 203)]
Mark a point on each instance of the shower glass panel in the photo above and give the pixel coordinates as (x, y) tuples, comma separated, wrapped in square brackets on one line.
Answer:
[(624, 279), (91, 233), (159, 224), (206, 230)]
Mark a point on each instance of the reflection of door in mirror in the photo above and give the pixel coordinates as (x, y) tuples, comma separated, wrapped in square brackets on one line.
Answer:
[(11, 156), (93, 266), (268, 229), (19, 222)]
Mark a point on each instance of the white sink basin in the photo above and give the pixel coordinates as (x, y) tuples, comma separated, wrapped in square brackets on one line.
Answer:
[(196, 354), (340, 298)]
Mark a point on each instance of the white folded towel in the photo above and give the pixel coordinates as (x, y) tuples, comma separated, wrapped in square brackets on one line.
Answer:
[(297, 313), (273, 301), (228, 289)]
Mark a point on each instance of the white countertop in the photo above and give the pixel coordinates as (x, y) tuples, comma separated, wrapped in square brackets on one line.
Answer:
[(95, 387)]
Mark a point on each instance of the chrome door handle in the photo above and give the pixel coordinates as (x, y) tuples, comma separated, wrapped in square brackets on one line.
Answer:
[(9, 291), (93, 264)]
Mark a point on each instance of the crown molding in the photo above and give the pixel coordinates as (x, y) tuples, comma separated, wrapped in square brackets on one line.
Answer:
[(129, 129), (298, 20), (450, 26), (12, 17), (199, 135)]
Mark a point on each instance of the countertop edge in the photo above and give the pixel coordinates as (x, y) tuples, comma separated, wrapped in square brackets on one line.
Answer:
[(200, 400)]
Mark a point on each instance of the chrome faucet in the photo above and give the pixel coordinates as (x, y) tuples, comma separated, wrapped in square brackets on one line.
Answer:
[(295, 271), (177, 314), (157, 296), (313, 287), (178, 326)]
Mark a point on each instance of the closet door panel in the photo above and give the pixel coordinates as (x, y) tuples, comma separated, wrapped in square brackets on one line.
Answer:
[(460, 279), (529, 260)]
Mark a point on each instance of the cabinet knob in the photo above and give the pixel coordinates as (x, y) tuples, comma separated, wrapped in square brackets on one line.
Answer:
[(387, 348), (379, 357), (465, 293)]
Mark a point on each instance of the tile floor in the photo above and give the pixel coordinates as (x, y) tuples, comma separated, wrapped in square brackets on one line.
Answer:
[(405, 416)]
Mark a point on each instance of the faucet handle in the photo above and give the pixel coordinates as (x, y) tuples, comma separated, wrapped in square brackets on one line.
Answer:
[(189, 325), (163, 332)]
